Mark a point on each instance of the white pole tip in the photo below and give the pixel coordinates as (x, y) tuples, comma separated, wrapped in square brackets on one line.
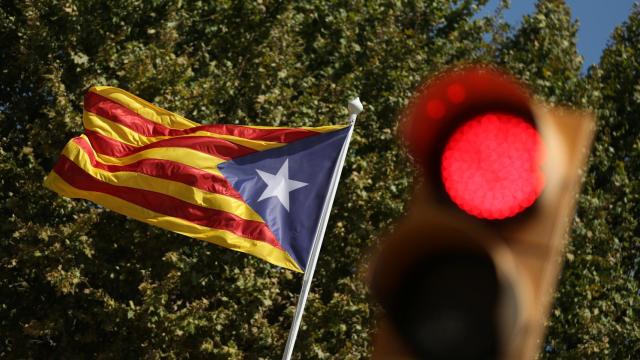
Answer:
[(355, 106)]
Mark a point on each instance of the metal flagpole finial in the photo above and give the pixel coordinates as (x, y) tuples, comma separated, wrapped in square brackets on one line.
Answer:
[(355, 108)]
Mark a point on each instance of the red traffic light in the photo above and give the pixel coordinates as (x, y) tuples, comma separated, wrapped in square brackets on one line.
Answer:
[(451, 284), (473, 132), (490, 166)]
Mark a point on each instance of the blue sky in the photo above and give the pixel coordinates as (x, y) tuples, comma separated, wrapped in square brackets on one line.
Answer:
[(597, 19)]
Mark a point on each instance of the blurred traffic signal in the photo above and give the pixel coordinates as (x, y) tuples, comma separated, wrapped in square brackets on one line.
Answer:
[(469, 272)]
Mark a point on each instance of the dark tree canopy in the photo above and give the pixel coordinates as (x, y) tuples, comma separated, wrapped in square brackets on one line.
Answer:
[(77, 281)]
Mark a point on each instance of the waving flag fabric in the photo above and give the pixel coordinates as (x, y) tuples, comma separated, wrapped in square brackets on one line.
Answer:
[(259, 190)]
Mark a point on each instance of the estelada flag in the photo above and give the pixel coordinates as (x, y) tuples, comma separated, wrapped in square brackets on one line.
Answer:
[(255, 189)]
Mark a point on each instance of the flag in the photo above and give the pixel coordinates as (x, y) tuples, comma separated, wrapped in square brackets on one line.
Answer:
[(254, 189)]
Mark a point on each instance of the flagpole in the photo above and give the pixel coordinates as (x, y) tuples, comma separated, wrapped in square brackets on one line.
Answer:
[(355, 107)]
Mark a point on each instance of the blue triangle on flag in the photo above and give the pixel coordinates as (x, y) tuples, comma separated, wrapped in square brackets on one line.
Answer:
[(287, 187)]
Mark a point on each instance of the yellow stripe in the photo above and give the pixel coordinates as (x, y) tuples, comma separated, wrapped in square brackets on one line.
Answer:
[(172, 188), (144, 108), (124, 134), (190, 157), (184, 156), (223, 238), (320, 129), (172, 120)]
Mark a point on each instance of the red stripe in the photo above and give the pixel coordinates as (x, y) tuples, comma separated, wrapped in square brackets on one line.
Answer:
[(216, 147), (166, 205), (166, 169), (115, 112)]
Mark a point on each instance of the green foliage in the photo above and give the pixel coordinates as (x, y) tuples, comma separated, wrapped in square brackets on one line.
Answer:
[(597, 313), (80, 282), (542, 52)]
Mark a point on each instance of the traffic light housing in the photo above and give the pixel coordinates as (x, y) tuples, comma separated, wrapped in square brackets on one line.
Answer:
[(469, 272)]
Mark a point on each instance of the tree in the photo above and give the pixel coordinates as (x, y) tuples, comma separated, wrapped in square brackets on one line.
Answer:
[(598, 302), (596, 305), (78, 281), (542, 52)]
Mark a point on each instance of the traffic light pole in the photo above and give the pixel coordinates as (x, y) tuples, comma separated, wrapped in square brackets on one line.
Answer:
[(355, 107)]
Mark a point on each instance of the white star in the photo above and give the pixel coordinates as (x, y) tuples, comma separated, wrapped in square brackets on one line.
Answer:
[(279, 185)]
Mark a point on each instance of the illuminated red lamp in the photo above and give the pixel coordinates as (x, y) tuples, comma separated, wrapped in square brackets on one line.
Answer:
[(490, 166), (449, 97)]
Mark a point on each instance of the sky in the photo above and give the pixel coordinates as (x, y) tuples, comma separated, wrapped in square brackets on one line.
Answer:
[(597, 20)]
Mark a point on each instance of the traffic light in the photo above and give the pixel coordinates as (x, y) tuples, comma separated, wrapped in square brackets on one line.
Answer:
[(469, 272)]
